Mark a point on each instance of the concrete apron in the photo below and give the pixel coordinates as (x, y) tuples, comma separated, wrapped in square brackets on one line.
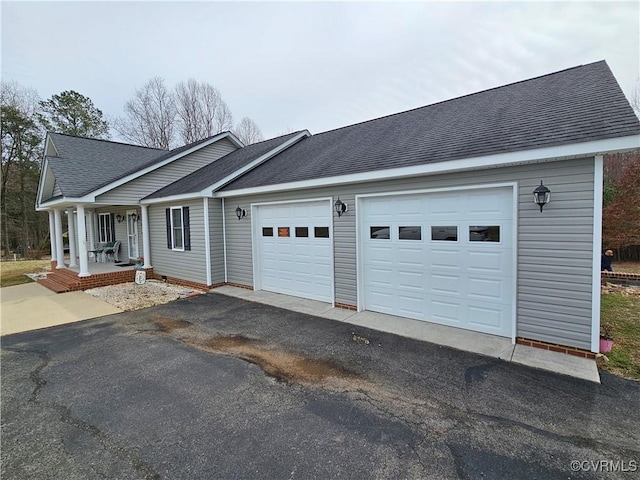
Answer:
[(475, 342), (32, 306)]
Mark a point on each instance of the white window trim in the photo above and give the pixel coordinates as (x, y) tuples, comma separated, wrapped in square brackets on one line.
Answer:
[(173, 240), (107, 227)]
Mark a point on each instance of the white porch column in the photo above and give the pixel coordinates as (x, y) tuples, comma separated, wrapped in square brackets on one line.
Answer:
[(52, 236), (92, 230), (73, 253), (82, 240), (146, 241), (57, 215)]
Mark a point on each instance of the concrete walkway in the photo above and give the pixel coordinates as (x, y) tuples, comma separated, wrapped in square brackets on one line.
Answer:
[(484, 344), (32, 306)]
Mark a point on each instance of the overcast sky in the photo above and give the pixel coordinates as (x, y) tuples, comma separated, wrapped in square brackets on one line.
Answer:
[(319, 66)]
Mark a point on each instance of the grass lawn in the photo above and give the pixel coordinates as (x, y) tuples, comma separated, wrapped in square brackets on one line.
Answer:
[(623, 314), (13, 273)]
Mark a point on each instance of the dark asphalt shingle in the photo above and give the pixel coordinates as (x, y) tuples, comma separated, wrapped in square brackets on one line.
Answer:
[(84, 165), (216, 171), (575, 105)]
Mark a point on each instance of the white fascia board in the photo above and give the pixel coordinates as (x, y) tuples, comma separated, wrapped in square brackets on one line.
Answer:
[(208, 191), (43, 172), (258, 161), (92, 196), (538, 155)]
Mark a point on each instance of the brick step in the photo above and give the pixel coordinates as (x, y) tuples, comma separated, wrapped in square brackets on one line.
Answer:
[(53, 285), (64, 272), (63, 279)]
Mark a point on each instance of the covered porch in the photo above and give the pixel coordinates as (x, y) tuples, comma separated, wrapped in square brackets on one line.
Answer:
[(102, 239)]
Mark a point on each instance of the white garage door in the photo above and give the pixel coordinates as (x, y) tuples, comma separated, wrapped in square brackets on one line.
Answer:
[(442, 257), (295, 249)]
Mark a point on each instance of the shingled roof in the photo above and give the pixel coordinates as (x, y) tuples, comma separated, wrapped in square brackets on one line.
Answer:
[(575, 105), (84, 165), (221, 168)]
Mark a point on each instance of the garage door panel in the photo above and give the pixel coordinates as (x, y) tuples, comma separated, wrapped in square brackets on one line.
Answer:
[(296, 265), (466, 283), (486, 289), (485, 318), (441, 258)]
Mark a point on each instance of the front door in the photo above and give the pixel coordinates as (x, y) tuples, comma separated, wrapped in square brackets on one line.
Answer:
[(132, 234)]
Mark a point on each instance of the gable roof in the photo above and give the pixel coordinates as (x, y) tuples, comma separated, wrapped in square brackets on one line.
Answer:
[(576, 105), (84, 165), (217, 171)]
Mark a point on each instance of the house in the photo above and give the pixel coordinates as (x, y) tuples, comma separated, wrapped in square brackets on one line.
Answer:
[(426, 214)]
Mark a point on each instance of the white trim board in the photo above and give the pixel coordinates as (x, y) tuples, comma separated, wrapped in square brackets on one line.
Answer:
[(539, 155), (598, 173)]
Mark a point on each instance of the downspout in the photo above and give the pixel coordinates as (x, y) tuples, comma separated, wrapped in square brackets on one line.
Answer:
[(224, 242)]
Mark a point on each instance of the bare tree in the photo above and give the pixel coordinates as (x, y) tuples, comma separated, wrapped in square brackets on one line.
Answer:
[(201, 111), (635, 98), (150, 116), (248, 131)]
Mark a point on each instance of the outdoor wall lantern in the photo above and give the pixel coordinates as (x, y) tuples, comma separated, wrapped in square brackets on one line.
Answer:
[(119, 218), (135, 217), (240, 212), (341, 207), (541, 195)]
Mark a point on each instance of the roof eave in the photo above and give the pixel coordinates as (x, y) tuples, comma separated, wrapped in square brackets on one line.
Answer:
[(132, 176), (209, 190), (545, 154)]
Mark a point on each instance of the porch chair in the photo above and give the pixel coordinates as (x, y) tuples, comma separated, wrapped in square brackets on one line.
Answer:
[(111, 250)]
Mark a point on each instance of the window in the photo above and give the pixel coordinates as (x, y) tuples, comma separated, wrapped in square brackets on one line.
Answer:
[(267, 231), (321, 232), (178, 229), (283, 231), (410, 233), (379, 232), (302, 231), (481, 233), (106, 228), (445, 234)]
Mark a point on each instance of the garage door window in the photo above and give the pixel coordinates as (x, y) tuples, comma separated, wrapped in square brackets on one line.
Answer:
[(447, 233), (302, 232), (483, 233), (283, 231), (410, 233), (380, 233), (321, 232), (267, 231)]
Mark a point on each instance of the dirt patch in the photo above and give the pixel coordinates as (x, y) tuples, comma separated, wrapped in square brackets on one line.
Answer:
[(279, 364), (168, 325)]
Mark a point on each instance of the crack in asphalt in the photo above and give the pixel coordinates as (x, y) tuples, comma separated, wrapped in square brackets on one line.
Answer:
[(67, 417)]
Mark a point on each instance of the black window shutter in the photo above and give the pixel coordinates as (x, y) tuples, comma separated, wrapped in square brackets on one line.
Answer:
[(113, 228), (168, 212), (187, 229)]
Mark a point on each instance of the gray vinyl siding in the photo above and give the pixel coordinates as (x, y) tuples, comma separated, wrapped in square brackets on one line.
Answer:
[(56, 189), (133, 191), (188, 265), (555, 247), (216, 241)]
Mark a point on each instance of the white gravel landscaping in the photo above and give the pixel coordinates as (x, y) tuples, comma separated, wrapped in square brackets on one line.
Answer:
[(130, 296)]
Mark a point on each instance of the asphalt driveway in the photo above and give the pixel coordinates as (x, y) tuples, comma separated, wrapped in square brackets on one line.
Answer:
[(216, 387)]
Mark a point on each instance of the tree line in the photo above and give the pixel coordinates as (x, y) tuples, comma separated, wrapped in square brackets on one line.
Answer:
[(155, 116)]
